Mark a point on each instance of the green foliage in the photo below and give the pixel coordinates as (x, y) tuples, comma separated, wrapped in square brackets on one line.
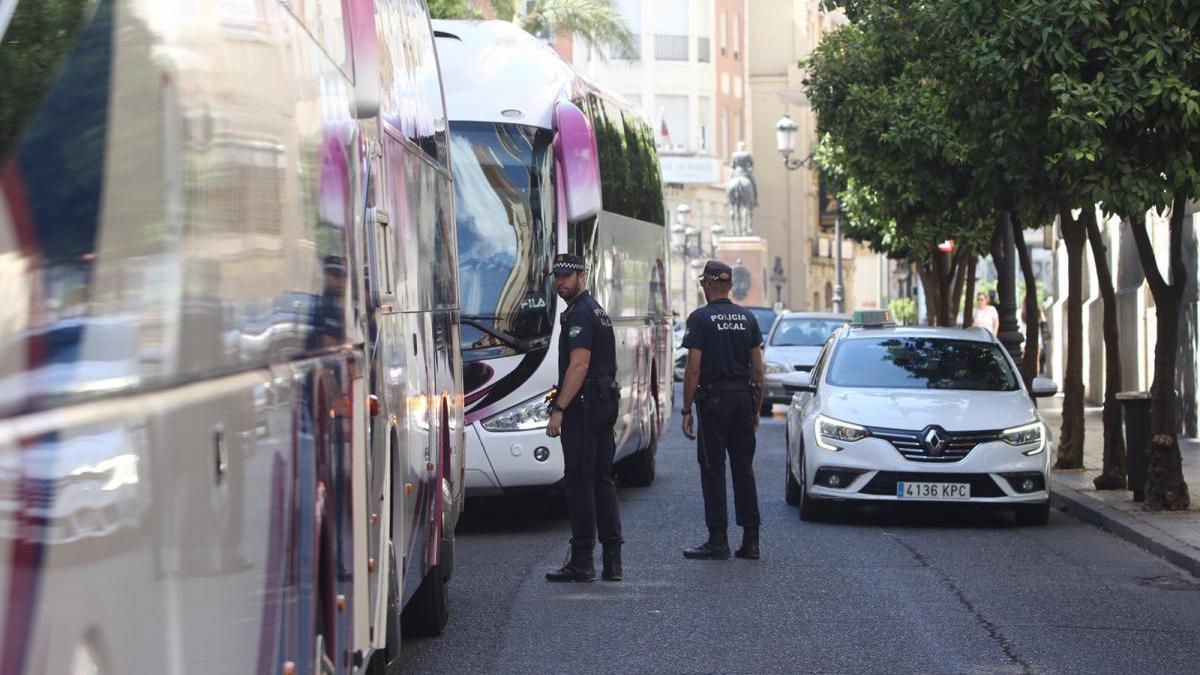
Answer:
[(454, 9), (904, 310), (597, 22)]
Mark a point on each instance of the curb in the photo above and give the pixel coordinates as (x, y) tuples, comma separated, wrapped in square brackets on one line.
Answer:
[(1121, 524)]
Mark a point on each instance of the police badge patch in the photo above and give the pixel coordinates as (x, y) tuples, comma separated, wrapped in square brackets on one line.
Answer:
[(575, 330)]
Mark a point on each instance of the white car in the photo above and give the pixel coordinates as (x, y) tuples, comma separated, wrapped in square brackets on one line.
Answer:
[(892, 414), (793, 345)]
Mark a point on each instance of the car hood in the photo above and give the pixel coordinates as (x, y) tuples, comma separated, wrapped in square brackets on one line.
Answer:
[(792, 356), (917, 408)]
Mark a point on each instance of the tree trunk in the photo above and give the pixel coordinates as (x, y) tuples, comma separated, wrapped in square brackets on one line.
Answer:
[(929, 283), (956, 293), (968, 303), (1165, 486), (1070, 444), (1029, 356), (1113, 476), (1006, 286)]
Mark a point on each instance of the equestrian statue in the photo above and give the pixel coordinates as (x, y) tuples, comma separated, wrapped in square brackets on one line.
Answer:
[(741, 192)]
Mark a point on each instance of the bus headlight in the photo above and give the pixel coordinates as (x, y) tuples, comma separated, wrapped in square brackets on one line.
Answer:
[(531, 414), (830, 431)]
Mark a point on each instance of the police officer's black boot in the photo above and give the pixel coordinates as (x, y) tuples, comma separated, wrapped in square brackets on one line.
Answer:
[(579, 567), (612, 562), (749, 549), (716, 548)]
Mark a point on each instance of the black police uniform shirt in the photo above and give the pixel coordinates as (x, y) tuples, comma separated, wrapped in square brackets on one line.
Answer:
[(585, 325), (724, 333)]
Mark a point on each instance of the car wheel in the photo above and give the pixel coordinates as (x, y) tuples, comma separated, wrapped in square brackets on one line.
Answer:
[(1032, 514), (811, 509), (791, 492)]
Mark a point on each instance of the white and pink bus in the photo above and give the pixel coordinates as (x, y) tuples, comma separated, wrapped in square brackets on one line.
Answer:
[(231, 437), (544, 162)]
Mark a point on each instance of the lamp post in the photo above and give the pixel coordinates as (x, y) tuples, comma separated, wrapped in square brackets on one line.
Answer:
[(785, 142), (686, 244)]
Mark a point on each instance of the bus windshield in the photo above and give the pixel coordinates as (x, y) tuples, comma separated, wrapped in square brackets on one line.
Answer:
[(504, 189)]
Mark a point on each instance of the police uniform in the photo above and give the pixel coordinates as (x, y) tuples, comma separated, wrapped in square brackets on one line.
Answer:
[(726, 409), (587, 435)]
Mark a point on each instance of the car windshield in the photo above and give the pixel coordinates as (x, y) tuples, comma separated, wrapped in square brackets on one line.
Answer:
[(804, 332), (505, 211), (921, 363), (765, 317)]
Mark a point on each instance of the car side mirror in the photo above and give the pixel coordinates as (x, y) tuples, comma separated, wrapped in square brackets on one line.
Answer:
[(364, 48), (577, 157), (1043, 387), (799, 382)]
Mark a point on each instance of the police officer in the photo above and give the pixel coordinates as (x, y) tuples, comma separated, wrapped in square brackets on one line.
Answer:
[(583, 413), (724, 378)]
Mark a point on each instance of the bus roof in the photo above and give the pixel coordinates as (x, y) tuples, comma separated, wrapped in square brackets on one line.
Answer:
[(493, 67)]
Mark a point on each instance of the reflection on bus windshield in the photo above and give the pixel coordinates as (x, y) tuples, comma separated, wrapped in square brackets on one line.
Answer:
[(505, 212)]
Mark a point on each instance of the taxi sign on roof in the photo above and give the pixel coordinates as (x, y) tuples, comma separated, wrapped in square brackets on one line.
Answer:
[(872, 317)]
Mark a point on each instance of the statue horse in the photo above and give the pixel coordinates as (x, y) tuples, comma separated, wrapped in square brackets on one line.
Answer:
[(742, 198)]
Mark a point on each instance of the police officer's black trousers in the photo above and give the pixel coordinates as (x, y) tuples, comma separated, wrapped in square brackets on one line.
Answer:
[(588, 449), (727, 425)]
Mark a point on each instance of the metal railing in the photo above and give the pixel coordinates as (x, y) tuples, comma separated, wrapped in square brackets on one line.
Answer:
[(671, 47), (633, 53)]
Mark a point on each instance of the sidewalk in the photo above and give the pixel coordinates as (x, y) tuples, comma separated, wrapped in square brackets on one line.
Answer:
[(1174, 536)]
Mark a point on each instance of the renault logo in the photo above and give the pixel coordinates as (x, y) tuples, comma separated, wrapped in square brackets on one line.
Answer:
[(935, 440)]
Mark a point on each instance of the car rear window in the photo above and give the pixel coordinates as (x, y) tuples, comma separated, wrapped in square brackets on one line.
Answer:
[(810, 332), (921, 363)]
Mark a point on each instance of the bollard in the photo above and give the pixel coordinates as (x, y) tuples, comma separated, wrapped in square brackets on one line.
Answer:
[(1136, 408)]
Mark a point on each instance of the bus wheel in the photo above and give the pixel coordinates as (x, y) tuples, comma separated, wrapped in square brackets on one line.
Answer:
[(638, 469), (429, 609)]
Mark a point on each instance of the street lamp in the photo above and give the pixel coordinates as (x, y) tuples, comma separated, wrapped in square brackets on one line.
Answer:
[(714, 233), (686, 244), (838, 289), (785, 142)]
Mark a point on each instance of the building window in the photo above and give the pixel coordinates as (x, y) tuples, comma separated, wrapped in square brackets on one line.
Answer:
[(737, 36), (702, 50), (633, 53), (674, 113), (723, 29), (671, 47), (704, 115)]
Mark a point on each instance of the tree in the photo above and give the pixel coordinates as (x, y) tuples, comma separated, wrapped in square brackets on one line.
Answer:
[(1126, 80), (597, 22)]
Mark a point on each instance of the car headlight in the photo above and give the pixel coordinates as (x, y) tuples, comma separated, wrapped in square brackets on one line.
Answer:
[(778, 368), (531, 414), (830, 431), (1026, 434)]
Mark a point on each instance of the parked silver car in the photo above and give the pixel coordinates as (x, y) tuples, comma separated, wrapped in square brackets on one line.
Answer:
[(793, 345)]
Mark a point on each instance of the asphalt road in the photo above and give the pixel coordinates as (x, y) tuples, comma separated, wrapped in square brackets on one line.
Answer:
[(921, 590)]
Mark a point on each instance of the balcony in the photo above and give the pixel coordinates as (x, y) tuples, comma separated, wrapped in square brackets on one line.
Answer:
[(634, 53), (671, 47)]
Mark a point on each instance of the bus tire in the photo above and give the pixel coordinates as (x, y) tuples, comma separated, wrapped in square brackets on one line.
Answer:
[(638, 469), (429, 609)]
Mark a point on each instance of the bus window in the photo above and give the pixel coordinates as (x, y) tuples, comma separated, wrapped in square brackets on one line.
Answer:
[(504, 195)]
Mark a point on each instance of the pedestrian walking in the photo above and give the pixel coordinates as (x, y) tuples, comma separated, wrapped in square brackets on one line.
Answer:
[(583, 413), (985, 314), (724, 378)]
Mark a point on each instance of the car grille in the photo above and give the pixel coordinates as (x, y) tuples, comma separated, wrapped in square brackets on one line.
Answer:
[(884, 482), (959, 443)]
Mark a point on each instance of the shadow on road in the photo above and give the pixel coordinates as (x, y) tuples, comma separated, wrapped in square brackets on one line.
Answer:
[(947, 516), (513, 513)]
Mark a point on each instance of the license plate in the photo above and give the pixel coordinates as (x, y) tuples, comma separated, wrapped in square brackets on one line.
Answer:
[(912, 490)]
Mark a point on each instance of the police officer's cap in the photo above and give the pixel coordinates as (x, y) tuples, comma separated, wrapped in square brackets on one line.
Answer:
[(566, 263), (715, 270)]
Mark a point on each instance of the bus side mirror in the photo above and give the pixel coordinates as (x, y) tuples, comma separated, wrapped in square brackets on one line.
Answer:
[(364, 48), (575, 152)]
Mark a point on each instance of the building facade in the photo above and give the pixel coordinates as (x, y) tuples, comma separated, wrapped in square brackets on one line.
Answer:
[(688, 77)]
